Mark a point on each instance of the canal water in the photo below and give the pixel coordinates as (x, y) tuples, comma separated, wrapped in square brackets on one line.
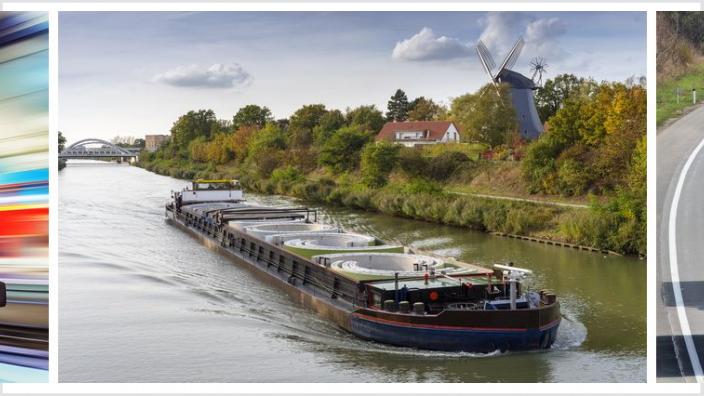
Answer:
[(141, 301)]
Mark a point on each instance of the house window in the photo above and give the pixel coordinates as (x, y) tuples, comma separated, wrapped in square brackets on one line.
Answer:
[(409, 135)]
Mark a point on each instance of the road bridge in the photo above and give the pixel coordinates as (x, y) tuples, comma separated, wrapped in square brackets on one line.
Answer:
[(98, 149)]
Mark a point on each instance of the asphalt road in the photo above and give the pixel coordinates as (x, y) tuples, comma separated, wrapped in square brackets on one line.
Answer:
[(680, 257)]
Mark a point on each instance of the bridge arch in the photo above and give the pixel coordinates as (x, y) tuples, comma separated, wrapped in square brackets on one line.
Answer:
[(107, 149)]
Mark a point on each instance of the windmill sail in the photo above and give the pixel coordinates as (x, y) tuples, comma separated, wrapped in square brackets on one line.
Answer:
[(512, 56), (486, 59)]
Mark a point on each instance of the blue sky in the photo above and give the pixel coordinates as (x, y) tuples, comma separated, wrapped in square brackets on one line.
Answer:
[(134, 73)]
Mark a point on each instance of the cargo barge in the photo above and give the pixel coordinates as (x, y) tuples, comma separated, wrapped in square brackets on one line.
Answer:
[(385, 293)]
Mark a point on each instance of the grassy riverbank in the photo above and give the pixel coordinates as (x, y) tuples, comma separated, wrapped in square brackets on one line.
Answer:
[(422, 200)]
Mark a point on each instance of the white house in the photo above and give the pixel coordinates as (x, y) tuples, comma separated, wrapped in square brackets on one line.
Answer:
[(414, 133)]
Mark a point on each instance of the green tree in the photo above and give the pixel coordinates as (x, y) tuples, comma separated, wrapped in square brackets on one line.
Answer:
[(198, 149), (266, 149), (624, 125), (62, 145), (593, 107), (589, 142), (378, 159), (554, 92), (397, 107), (368, 118), (540, 164), (487, 116), (422, 109), (252, 115), (62, 142), (219, 149), (302, 123), (638, 176), (139, 143), (201, 123), (341, 152), (564, 127), (327, 125), (239, 141), (270, 137)]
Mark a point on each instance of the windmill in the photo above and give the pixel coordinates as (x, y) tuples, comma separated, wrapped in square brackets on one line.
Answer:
[(522, 87), (538, 66)]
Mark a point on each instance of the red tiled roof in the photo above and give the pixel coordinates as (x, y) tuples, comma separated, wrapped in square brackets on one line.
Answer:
[(436, 129)]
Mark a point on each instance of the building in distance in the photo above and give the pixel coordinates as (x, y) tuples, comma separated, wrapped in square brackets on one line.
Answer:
[(415, 133), (153, 142)]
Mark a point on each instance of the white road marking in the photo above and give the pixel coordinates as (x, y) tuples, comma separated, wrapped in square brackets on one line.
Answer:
[(674, 270)]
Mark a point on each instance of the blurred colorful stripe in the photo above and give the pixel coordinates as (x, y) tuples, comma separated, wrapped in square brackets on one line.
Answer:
[(24, 195), (14, 373)]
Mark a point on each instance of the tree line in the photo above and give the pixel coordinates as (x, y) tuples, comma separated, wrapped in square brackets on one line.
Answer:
[(594, 143)]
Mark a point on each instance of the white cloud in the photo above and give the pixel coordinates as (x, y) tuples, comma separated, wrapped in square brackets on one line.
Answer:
[(541, 36), (502, 29), (219, 75), (426, 45)]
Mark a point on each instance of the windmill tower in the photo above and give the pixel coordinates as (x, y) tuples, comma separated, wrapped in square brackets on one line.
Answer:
[(522, 88)]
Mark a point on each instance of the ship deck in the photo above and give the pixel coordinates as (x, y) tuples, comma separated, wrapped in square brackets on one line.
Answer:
[(432, 283)]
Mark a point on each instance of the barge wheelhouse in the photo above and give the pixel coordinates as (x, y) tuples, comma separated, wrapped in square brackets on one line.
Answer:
[(385, 293)]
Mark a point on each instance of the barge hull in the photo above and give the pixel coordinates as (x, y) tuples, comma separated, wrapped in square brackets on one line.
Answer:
[(441, 338)]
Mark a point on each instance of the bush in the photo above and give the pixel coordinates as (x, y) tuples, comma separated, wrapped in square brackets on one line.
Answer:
[(472, 214), (419, 186), (494, 216), (524, 220), (378, 159), (360, 199), (444, 165), (572, 178), (265, 163), (411, 162), (539, 165), (286, 174), (618, 225), (341, 152)]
